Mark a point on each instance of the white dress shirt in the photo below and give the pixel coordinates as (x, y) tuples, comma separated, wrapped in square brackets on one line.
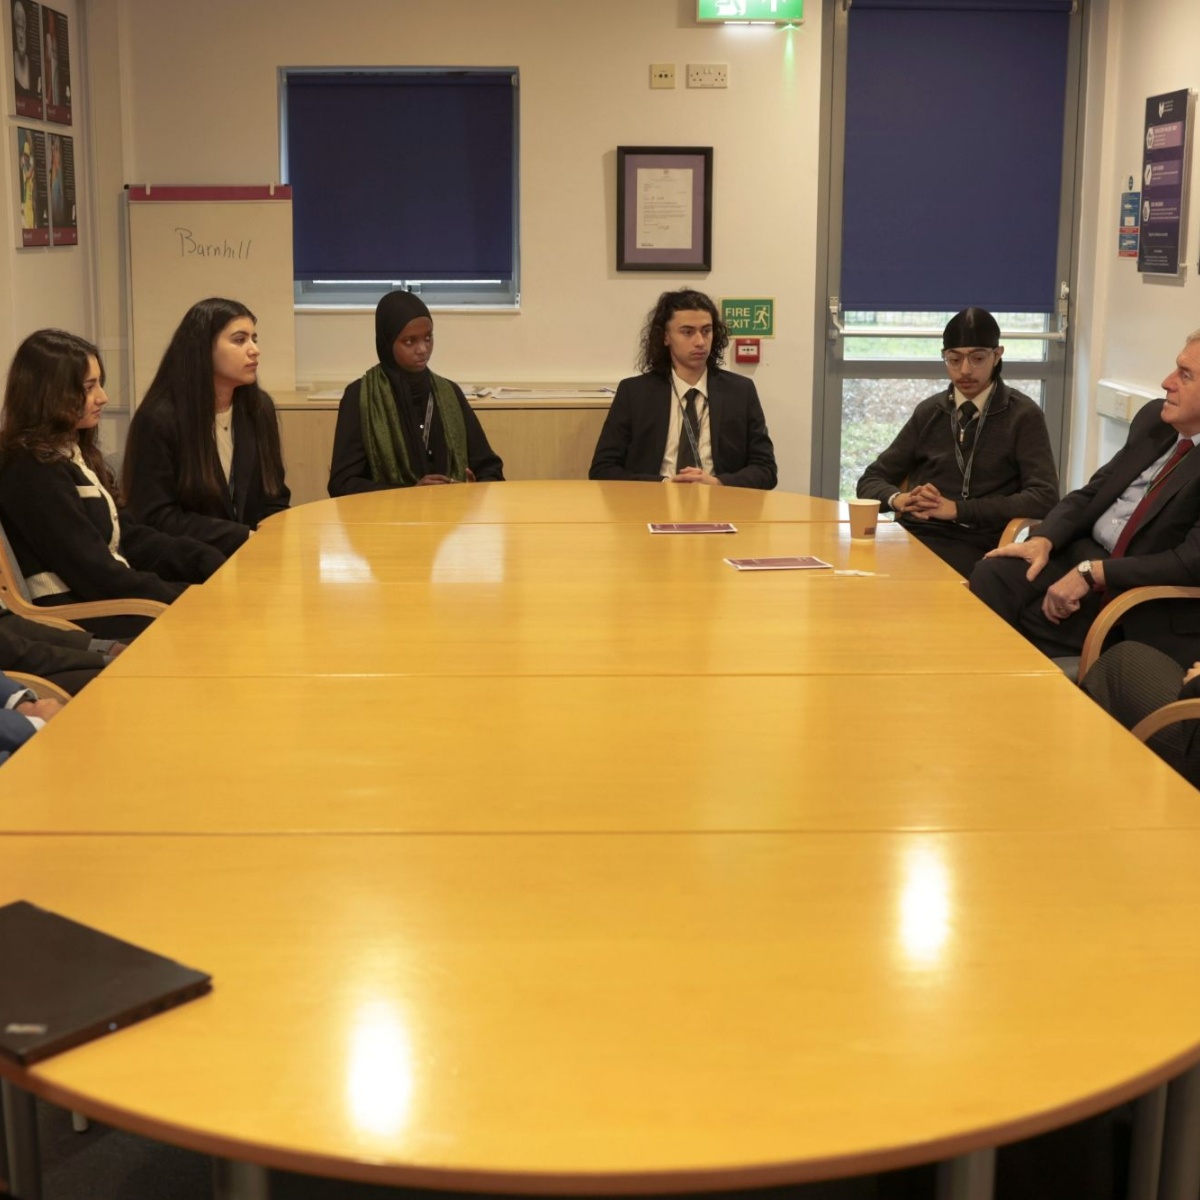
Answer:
[(679, 389)]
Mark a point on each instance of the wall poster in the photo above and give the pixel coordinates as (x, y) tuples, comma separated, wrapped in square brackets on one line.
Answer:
[(64, 227), (33, 225), (1165, 158), (25, 41), (56, 82)]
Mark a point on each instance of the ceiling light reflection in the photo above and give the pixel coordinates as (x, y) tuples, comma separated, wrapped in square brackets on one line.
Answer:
[(379, 1081), (924, 905), (470, 554), (339, 561)]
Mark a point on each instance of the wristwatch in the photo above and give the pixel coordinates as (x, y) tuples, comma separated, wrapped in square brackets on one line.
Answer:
[(1085, 569), (891, 501)]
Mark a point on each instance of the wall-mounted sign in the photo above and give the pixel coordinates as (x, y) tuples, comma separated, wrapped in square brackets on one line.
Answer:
[(780, 11), (1164, 172), (1131, 223), (749, 318)]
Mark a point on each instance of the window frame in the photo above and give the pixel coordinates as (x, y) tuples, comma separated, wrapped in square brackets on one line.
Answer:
[(474, 295)]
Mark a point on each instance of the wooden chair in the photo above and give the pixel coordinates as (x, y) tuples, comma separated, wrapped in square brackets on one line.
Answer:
[(15, 597), (1117, 608), (1110, 614), (1169, 714), (44, 689), (1015, 528)]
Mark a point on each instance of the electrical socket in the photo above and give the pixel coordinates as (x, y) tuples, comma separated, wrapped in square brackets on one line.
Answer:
[(708, 75), (662, 75), (1120, 406)]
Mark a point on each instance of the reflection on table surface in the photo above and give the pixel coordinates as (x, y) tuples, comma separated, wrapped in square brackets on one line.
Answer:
[(570, 501), (595, 1008), (531, 851)]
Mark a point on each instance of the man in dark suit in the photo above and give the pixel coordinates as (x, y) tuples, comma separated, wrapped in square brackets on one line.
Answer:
[(685, 420), (1135, 522)]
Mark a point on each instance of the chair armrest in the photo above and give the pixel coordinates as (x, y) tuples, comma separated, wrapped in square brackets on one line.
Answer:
[(1169, 714), (1016, 527), (1114, 610), (126, 606), (51, 691), (63, 614)]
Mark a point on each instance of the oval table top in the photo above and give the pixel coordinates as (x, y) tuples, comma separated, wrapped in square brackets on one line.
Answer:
[(541, 854)]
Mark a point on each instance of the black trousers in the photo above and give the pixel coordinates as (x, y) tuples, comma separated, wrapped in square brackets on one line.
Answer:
[(1130, 681), (958, 547), (1001, 584)]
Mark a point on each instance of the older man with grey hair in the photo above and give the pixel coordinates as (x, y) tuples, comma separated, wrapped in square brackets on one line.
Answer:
[(1135, 522)]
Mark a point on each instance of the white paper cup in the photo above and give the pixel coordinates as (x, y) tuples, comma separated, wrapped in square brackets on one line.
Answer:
[(864, 516)]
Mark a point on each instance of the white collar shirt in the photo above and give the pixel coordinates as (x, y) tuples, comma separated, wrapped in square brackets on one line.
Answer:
[(1113, 520), (679, 389)]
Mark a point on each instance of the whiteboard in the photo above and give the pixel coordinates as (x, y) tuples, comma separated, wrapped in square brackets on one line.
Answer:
[(189, 243)]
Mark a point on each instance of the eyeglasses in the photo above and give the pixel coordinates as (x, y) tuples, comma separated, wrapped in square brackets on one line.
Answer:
[(977, 358)]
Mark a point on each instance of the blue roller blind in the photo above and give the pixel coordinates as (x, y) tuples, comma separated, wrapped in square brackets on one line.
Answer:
[(954, 135), (402, 175)]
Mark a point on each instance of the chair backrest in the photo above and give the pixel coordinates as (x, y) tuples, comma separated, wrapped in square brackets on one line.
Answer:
[(14, 595), (13, 591), (1019, 529)]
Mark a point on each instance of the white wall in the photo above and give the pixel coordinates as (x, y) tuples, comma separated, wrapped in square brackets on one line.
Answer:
[(1130, 326), (196, 101)]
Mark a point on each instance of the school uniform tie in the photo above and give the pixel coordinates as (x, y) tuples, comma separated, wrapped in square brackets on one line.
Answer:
[(967, 413), (1138, 515), (685, 457)]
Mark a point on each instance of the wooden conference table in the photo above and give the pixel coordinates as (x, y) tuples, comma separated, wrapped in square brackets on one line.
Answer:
[(531, 852)]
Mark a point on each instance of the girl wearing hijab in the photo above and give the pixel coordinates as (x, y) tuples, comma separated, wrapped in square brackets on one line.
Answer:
[(401, 425)]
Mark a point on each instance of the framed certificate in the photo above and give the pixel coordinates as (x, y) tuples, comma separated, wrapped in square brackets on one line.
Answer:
[(664, 208)]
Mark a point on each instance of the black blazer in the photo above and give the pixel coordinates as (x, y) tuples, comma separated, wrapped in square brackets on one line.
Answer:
[(634, 438), (56, 521), (44, 650), (1166, 546), (350, 472), (1165, 549), (153, 453)]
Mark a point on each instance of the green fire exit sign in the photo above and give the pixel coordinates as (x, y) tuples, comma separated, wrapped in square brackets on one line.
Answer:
[(749, 318), (750, 10)]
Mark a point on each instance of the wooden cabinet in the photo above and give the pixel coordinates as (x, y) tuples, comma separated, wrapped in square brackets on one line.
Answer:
[(546, 437)]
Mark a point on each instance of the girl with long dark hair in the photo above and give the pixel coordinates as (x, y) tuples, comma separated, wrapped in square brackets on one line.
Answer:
[(203, 456), (59, 501)]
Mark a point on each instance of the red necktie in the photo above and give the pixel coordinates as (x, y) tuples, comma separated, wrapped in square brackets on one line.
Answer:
[(1139, 514)]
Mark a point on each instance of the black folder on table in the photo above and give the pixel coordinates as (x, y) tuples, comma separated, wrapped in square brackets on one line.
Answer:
[(62, 983)]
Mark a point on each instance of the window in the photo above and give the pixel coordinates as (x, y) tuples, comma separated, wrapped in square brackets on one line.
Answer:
[(402, 178), (935, 205), (953, 176)]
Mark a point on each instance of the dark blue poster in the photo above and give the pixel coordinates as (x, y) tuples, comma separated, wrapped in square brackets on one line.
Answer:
[(1164, 172)]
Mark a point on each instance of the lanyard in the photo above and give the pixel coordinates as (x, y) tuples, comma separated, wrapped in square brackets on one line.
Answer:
[(687, 425), (428, 426), (965, 467)]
